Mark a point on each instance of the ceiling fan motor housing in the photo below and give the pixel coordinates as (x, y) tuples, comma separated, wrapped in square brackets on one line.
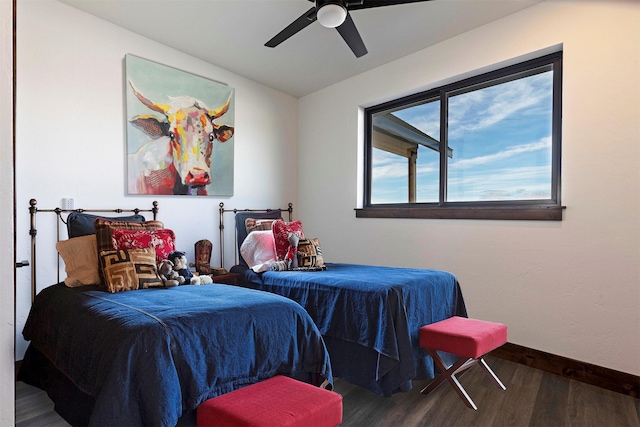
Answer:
[(331, 13)]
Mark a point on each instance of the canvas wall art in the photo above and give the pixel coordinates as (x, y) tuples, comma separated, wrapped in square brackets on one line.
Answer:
[(179, 131)]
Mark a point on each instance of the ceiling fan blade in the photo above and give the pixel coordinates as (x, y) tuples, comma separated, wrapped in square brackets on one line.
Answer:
[(350, 34), (368, 4), (301, 23)]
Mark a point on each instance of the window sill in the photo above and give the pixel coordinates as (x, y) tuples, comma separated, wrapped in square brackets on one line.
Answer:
[(529, 213)]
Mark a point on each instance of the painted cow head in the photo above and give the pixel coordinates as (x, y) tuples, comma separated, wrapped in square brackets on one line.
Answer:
[(189, 124)]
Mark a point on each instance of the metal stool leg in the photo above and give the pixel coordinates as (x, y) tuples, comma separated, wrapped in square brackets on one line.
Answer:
[(449, 374), (446, 373), (490, 373)]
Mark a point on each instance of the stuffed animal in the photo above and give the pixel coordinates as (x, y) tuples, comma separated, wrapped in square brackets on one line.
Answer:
[(205, 279), (180, 264), (169, 276), (279, 266), (291, 257)]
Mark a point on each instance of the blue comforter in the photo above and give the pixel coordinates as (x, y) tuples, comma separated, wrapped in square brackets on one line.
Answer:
[(375, 309), (149, 355)]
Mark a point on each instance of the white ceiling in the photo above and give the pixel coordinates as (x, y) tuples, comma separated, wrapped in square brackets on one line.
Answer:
[(231, 34)]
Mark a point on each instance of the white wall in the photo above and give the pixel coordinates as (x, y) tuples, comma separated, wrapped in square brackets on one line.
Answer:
[(570, 288), (70, 134), (7, 388)]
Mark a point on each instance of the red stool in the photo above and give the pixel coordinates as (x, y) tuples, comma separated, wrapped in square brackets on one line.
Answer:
[(468, 338), (278, 401)]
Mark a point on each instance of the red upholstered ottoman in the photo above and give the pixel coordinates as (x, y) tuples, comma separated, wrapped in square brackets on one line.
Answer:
[(278, 401), (469, 338)]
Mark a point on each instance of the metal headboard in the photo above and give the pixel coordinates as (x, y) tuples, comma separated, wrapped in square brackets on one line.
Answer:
[(235, 211), (33, 210)]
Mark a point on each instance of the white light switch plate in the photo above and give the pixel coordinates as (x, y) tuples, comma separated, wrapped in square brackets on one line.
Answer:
[(67, 204)]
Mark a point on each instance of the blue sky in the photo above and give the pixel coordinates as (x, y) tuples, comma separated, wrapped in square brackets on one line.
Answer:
[(501, 142)]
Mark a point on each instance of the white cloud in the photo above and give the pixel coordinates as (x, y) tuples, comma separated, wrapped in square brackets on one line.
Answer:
[(388, 166), (483, 108), (541, 144)]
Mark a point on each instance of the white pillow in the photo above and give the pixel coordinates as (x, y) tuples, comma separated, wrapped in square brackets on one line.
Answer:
[(259, 250)]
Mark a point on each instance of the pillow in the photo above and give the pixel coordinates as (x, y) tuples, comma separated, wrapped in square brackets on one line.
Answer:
[(104, 228), (128, 270), (252, 224), (259, 250), (81, 224), (281, 232), (80, 260), (241, 231), (163, 241), (309, 253)]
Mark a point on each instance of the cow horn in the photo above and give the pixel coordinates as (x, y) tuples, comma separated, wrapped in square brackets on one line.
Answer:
[(160, 108), (214, 114)]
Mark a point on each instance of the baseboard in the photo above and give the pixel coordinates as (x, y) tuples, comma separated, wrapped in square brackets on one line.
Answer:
[(606, 378)]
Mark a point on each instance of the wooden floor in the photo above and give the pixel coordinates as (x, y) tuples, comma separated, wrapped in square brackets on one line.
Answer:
[(533, 398)]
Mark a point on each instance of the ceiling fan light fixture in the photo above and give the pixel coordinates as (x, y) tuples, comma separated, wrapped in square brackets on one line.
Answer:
[(331, 15)]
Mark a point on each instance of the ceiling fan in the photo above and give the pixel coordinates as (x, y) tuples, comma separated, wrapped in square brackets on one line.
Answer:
[(335, 14)]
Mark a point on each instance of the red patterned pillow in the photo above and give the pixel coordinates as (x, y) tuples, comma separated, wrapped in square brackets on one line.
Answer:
[(281, 232), (163, 241)]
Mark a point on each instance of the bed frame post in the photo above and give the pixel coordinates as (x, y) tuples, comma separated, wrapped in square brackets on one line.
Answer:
[(221, 228), (32, 232)]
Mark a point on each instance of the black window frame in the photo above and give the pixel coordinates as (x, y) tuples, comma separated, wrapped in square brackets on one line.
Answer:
[(546, 209)]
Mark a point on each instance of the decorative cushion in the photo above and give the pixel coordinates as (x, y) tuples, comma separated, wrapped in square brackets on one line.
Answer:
[(104, 229), (309, 253), (281, 232), (259, 250), (80, 260), (252, 224), (163, 241), (82, 224), (127, 270), (241, 230)]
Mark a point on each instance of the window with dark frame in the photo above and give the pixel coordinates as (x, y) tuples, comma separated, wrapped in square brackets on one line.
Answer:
[(502, 133)]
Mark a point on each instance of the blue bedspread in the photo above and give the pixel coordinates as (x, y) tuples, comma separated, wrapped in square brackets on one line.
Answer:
[(380, 309), (147, 356)]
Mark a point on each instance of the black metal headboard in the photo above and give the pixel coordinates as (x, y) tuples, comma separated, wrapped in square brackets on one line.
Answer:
[(33, 210), (235, 211)]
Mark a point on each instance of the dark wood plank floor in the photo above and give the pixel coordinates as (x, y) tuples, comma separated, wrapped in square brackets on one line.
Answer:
[(533, 398)]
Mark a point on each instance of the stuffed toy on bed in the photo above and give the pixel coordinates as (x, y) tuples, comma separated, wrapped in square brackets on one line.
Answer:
[(290, 261), (179, 260), (169, 276), (292, 252)]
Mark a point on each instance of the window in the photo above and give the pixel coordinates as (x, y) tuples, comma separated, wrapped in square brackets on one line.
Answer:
[(502, 136)]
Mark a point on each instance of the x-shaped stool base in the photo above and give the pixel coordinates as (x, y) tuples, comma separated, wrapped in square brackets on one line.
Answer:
[(449, 374)]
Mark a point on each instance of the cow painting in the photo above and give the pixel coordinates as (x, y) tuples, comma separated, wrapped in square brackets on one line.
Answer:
[(177, 158)]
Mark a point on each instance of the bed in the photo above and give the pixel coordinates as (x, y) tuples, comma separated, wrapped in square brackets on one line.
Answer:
[(369, 316), (150, 356)]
